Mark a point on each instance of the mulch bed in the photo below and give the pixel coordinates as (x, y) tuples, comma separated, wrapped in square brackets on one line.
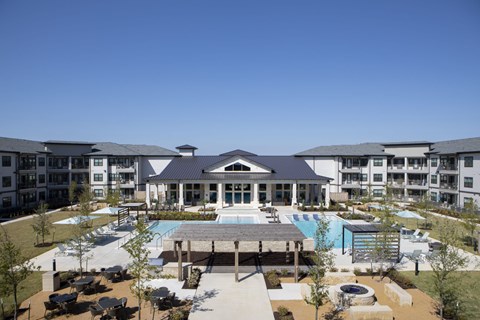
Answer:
[(289, 316)]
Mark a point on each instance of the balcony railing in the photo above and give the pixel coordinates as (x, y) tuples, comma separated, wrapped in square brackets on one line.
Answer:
[(417, 183), (26, 167), (448, 167), (80, 166), (28, 185), (450, 186)]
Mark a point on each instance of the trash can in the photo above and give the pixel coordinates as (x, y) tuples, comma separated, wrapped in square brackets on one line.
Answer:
[(51, 281)]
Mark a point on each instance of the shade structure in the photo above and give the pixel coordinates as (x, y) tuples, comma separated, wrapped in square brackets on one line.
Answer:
[(408, 215), (76, 220), (107, 211)]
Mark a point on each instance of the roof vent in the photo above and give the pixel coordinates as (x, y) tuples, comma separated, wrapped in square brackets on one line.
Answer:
[(186, 150)]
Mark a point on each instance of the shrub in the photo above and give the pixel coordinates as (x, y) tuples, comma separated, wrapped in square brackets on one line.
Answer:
[(400, 279), (284, 272), (194, 278), (345, 270), (273, 279), (333, 269), (282, 311), (357, 271)]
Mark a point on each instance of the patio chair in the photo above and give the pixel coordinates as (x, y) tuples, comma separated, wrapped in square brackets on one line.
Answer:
[(65, 251), (95, 311), (295, 217), (414, 235), (124, 302), (123, 274), (169, 300), (423, 238), (69, 306), (95, 286), (53, 295), (49, 306), (415, 255)]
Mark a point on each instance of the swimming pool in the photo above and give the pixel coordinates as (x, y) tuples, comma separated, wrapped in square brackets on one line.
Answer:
[(238, 219), (308, 225)]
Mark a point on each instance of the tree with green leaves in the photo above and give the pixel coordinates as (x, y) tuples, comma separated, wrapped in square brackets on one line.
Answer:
[(323, 260), (41, 222), (470, 219), (445, 263), (140, 270), (113, 196), (79, 243), (14, 268), (84, 199), (72, 192)]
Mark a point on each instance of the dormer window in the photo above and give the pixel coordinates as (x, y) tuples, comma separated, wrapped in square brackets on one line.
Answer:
[(237, 167)]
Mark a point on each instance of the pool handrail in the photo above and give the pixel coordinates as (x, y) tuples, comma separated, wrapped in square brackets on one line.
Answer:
[(166, 234)]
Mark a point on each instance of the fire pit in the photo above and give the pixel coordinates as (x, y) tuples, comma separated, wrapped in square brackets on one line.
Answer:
[(352, 294)]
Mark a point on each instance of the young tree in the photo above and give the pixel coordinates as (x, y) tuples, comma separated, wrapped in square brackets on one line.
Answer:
[(323, 260), (14, 268), (85, 198), (79, 243), (444, 266), (72, 192), (469, 220), (41, 222), (140, 270), (113, 195)]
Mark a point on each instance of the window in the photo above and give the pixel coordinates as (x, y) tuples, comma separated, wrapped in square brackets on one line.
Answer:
[(434, 162), (6, 202), (363, 162), (6, 161), (112, 177), (377, 162), (377, 177), (363, 177), (433, 196), (6, 182), (237, 167), (467, 201), (468, 162), (213, 187), (468, 182), (377, 192), (42, 196), (434, 179), (98, 177), (41, 178), (98, 193), (98, 162)]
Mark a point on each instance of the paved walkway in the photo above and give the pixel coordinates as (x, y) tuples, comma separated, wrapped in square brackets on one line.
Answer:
[(219, 297)]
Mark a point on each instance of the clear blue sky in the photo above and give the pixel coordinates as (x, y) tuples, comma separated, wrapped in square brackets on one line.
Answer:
[(270, 77)]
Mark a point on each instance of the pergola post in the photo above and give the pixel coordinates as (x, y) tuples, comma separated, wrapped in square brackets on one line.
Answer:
[(174, 249), (213, 247), (287, 252), (189, 249), (260, 249), (180, 265), (236, 260), (295, 272)]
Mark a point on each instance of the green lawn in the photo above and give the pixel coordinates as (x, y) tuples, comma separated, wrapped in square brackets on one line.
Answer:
[(469, 283), (29, 287)]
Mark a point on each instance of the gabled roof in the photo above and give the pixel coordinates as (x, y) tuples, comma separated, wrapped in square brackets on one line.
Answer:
[(21, 146), (456, 146), (223, 160), (238, 152), (192, 168), (363, 149), (115, 149), (69, 142), (407, 143)]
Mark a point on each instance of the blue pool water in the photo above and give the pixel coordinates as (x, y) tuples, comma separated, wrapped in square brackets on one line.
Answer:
[(308, 225), (238, 219)]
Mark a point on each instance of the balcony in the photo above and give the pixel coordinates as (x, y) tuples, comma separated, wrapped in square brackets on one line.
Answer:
[(448, 169), (27, 185), (351, 184), (396, 183), (27, 167), (127, 184), (79, 167), (58, 168), (417, 184), (448, 187), (125, 168)]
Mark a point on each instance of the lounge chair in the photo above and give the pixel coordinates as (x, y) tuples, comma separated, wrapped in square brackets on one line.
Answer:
[(64, 250), (306, 217), (316, 216), (423, 238), (413, 236), (295, 217), (415, 255)]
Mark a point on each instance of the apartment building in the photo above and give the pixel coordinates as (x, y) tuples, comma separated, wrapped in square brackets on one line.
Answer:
[(23, 173), (33, 171)]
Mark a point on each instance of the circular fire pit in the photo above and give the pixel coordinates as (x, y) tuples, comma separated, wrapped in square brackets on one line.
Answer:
[(353, 294)]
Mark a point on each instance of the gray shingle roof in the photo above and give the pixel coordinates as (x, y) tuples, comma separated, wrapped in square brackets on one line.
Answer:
[(238, 152), (456, 146), (186, 146), (115, 149), (192, 168), (68, 142), (363, 149), (21, 146)]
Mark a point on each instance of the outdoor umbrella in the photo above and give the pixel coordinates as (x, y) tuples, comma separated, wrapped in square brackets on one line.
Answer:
[(409, 215)]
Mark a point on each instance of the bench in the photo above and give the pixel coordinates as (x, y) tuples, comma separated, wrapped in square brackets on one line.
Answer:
[(398, 295), (375, 312)]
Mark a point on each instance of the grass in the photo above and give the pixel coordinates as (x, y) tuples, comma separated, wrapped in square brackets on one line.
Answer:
[(468, 288), (21, 233)]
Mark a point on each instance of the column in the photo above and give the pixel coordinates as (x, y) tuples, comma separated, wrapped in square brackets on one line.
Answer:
[(327, 195), (189, 249), (236, 261), (295, 259), (405, 191), (255, 194), (147, 194), (155, 195), (164, 196), (180, 194), (269, 192), (294, 194), (180, 265), (206, 191), (219, 195), (320, 197)]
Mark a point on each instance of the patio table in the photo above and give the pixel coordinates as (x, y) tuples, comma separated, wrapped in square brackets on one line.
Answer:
[(85, 280), (109, 303), (63, 298), (114, 269), (159, 293)]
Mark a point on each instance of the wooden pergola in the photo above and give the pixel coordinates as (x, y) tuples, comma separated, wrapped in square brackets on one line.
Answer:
[(236, 233), (135, 206), (366, 239)]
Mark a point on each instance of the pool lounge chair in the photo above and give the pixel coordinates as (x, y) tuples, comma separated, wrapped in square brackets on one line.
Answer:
[(64, 250), (295, 217), (306, 217), (316, 216), (415, 255), (423, 238), (412, 236)]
